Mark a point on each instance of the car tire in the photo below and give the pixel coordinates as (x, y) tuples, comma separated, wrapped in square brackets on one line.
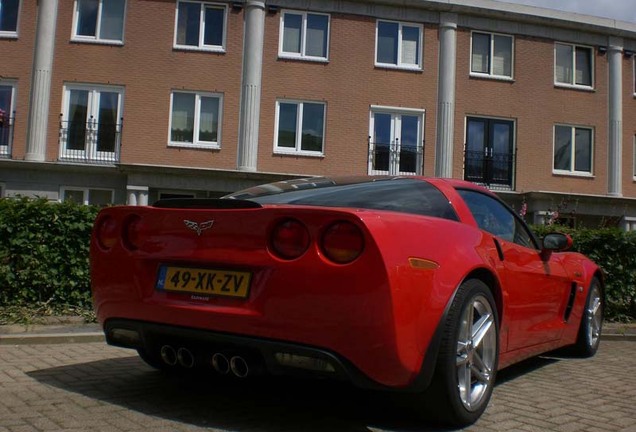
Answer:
[(589, 336), (467, 361)]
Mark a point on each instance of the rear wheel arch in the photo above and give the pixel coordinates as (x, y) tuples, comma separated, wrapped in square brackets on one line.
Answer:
[(492, 282)]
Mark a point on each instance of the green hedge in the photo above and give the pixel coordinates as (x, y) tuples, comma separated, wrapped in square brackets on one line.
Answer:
[(615, 252), (44, 250)]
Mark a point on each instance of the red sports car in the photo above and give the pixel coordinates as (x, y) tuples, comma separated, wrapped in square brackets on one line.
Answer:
[(420, 285)]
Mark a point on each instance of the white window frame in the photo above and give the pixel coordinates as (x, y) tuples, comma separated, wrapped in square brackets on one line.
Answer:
[(85, 193), (90, 151), (197, 121), (10, 83), (394, 167), (574, 85), (572, 172), (201, 46), (629, 223), (400, 65), (303, 37), (96, 39), (491, 74), (299, 126), (13, 34)]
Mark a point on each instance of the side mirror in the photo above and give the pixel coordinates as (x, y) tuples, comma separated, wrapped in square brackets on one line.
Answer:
[(556, 242)]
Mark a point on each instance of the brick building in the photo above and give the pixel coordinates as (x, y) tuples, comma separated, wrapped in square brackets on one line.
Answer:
[(127, 101)]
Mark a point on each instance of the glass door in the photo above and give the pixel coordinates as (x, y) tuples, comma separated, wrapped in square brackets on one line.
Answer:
[(395, 144), (489, 152)]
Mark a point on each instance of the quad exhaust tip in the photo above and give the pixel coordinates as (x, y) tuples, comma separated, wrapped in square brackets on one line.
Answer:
[(239, 366), (168, 355), (185, 358), (220, 363)]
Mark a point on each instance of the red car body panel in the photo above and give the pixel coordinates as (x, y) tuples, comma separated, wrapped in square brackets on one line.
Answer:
[(380, 312)]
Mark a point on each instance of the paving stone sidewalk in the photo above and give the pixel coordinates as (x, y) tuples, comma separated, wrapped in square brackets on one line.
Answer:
[(94, 387)]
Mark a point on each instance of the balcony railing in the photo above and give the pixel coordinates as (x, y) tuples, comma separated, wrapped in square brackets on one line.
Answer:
[(90, 142), (394, 159), (494, 170), (6, 134)]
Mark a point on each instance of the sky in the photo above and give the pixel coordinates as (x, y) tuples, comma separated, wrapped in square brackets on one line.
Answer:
[(624, 10)]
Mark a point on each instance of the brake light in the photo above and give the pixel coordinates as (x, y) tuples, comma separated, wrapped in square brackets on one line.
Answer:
[(131, 232), (290, 239), (342, 242), (107, 233)]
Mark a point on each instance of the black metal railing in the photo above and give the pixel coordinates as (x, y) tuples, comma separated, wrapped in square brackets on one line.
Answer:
[(90, 141), (7, 123), (393, 158), (494, 170)]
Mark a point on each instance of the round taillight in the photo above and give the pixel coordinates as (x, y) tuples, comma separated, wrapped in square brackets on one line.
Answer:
[(131, 234), (290, 239), (342, 242), (107, 233)]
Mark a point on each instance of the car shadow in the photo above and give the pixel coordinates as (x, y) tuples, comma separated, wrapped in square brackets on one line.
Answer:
[(261, 403)]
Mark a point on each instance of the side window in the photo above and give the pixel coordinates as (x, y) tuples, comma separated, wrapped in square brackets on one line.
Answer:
[(494, 217)]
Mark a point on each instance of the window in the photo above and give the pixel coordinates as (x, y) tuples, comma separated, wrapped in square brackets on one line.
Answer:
[(573, 65), (572, 150), (304, 35), (496, 218), (9, 18), (300, 127), (398, 45), (200, 26), (396, 141), (195, 119), (91, 123), (7, 106), (491, 55), (99, 20), (87, 196)]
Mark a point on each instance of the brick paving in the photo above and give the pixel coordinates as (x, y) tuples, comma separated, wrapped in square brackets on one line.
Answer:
[(94, 387)]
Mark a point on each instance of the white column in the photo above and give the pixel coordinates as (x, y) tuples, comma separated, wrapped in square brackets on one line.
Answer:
[(446, 95), (137, 195), (41, 81), (251, 85), (615, 142)]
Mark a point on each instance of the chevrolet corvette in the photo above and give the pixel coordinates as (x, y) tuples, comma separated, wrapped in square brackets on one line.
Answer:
[(422, 286)]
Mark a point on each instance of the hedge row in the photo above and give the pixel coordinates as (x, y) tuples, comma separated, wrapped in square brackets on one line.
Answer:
[(44, 256), (44, 252)]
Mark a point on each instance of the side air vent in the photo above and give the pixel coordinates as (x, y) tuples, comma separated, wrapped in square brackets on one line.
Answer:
[(206, 203), (570, 305)]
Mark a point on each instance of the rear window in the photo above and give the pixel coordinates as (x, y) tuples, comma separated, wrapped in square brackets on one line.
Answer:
[(394, 194)]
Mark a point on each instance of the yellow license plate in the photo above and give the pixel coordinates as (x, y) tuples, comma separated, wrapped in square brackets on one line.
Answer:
[(201, 281)]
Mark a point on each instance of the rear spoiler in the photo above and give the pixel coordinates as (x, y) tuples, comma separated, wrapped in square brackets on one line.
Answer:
[(206, 203)]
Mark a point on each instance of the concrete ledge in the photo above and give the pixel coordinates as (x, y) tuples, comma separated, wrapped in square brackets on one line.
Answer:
[(50, 338)]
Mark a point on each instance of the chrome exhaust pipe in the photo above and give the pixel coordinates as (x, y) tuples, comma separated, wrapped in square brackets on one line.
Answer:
[(239, 366), (185, 357), (220, 363), (168, 355)]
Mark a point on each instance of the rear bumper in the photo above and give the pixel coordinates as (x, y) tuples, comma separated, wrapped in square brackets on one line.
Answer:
[(264, 354)]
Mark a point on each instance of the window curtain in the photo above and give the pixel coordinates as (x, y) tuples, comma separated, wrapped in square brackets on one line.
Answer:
[(387, 42), (583, 66), (502, 57), (481, 53), (188, 22), (563, 148), (410, 45), (563, 69), (112, 22), (292, 25), (87, 17), (209, 119), (182, 129), (317, 30), (77, 118)]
